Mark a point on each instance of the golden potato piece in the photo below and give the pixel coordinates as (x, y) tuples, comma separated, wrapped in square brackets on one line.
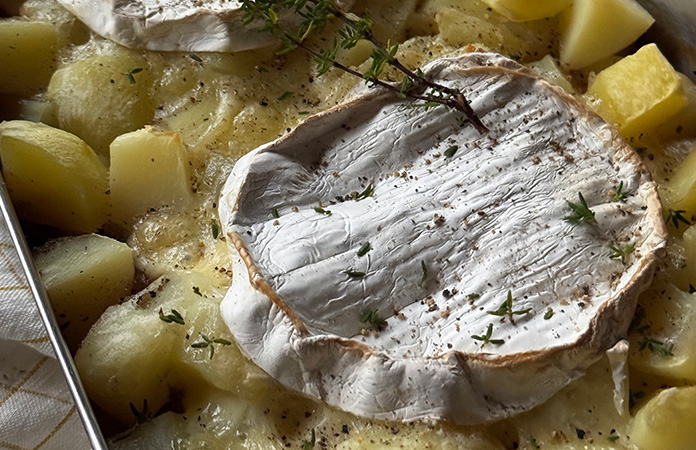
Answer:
[(639, 92), (54, 177), (525, 11), (667, 421), (679, 192), (84, 275), (591, 30), (27, 55)]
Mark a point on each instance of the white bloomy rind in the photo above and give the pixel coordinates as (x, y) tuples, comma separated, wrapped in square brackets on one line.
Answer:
[(173, 25), (485, 221)]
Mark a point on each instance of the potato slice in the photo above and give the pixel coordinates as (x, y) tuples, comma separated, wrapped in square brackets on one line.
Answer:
[(679, 192), (639, 92), (102, 96), (525, 11), (27, 55), (683, 123), (149, 170), (591, 30), (84, 275), (667, 421), (54, 177), (548, 68), (663, 334)]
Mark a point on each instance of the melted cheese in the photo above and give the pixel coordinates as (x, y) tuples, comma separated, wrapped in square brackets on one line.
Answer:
[(488, 220)]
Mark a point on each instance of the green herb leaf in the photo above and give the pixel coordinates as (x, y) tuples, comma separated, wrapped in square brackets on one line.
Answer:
[(371, 317), (322, 211), (424, 276), (196, 58), (675, 216), (354, 274), (285, 95), (581, 212), (140, 416), (174, 317), (215, 228), (132, 72), (619, 195), (274, 213), (621, 252), (368, 192), (549, 314), (506, 309), (658, 347), (209, 343), (364, 248), (451, 151), (613, 438), (309, 444), (486, 338)]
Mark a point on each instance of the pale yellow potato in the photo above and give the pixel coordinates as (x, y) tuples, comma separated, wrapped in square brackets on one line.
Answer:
[(679, 192), (127, 356), (54, 177), (84, 275), (27, 55), (525, 11), (459, 29), (103, 95), (549, 69), (638, 93), (683, 123), (663, 342), (667, 421), (594, 29), (149, 170)]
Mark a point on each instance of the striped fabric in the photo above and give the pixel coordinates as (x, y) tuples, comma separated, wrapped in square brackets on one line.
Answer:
[(36, 409)]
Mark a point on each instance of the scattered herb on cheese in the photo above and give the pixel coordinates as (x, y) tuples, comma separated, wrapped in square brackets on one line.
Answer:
[(195, 58), (215, 228), (210, 343), (473, 296), (486, 338), (140, 416), (371, 317), (174, 317), (506, 309), (197, 291), (364, 249), (619, 195), (581, 212), (274, 213), (451, 151), (322, 211), (621, 252), (315, 15), (354, 274), (549, 314), (132, 72), (675, 216), (424, 276), (656, 346), (309, 444), (368, 192), (285, 95)]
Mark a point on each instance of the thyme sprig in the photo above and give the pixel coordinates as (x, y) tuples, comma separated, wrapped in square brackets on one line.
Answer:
[(486, 338), (372, 318), (619, 195), (315, 15), (581, 212), (675, 216), (210, 343), (506, 309), (174, 317), (621, 252), (140, 416), (130, 74), (369, 191)]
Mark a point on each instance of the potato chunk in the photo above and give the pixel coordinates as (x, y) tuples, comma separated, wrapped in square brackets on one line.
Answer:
[(679, 192), (663, 342), (667, 421), (639, 92), (83, 276), (27, 55), (591, 30), (524, 10), (54, 177), (149, 170), (102, 96), (548, 68)]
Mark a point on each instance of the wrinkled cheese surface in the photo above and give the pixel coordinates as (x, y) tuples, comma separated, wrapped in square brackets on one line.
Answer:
[(484, 214), (172, 25)]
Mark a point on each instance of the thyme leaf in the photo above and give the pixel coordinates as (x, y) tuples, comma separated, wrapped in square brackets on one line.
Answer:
[(675, 216), (369, 191), (174, 317), (621, 252), (131, 72), (364, 249), (656, 346), (309, 444), (619, 195), (424, 276), (372, 318), (451, 151), (210, 343), (354, 274), (581, 212), (486, 338), (215, 228), (140, 416), (322, 211), (506, 309), (549, 314)]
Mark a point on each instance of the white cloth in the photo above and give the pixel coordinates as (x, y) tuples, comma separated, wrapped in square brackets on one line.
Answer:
[(36, 408)]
